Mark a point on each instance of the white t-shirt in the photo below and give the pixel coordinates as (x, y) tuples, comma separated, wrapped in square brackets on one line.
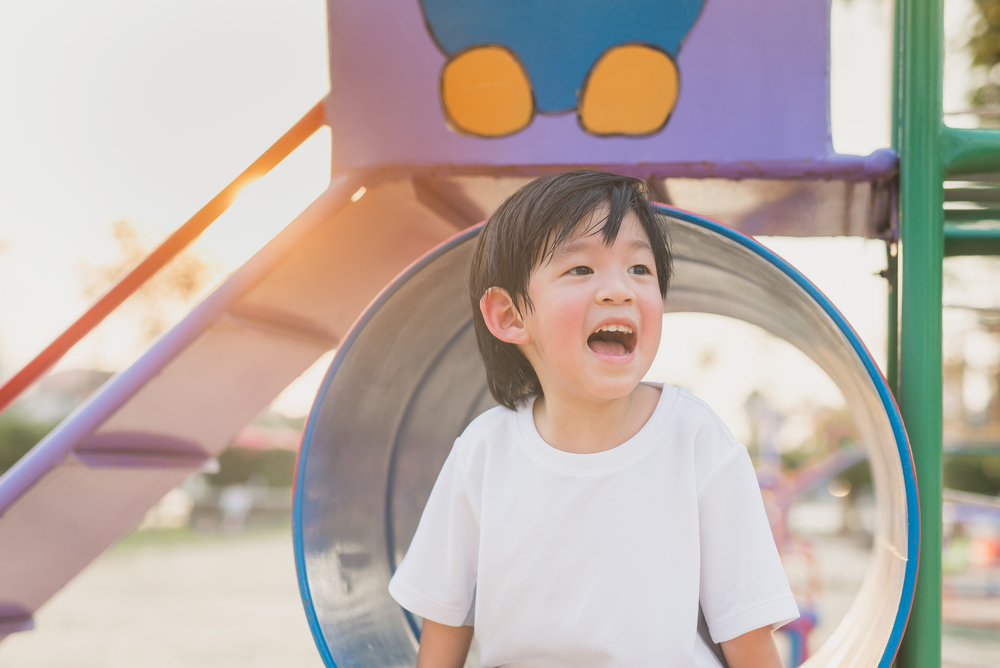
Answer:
[(582, 560)]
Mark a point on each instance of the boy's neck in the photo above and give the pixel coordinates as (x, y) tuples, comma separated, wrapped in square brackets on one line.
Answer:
[(582, 427)]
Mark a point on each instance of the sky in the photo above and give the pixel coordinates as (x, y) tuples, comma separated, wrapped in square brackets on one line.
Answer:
[(141, 111)]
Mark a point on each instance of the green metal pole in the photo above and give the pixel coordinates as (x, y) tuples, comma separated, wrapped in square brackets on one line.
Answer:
[(921, 251), (971, 241), (971, 151), (892, 325), (891, 245), (971, 215), (897, 44)]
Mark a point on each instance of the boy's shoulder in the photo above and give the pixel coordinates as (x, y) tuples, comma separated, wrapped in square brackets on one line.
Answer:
[(490, 426), (489, 420), (688, 411), (711, 440), (696, 410), (489, 432)]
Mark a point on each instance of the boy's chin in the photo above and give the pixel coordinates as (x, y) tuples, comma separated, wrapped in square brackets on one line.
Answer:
[(614, 389)]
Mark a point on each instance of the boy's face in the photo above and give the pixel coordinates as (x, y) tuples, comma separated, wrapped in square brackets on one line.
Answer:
[(587, 290)]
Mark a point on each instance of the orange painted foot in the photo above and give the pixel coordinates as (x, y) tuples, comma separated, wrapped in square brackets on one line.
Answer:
[(631, 90), (486, 92)]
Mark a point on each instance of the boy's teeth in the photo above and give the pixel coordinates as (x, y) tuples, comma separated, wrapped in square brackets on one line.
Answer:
[(616, 328)]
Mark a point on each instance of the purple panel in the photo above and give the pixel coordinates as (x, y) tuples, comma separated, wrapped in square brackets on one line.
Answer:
[(139, 450), (879, 164), (754, 87), (13, 619)]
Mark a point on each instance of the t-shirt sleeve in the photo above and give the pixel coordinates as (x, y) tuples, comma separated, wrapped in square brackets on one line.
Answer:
[(437, 577), (743, 584)]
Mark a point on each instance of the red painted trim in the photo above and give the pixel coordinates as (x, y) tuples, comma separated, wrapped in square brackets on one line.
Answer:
[(164, 253)]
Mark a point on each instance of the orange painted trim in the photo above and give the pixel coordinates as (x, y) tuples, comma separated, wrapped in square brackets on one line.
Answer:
[(306, 126)]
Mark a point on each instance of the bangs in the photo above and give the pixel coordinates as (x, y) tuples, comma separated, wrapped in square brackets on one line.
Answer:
[(608, 227)]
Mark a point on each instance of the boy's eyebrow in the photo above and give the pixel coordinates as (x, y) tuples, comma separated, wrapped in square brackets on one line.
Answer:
[(581, 243), (640, 244)]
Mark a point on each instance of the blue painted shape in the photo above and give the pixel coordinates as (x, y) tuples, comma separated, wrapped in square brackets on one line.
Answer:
[(558, 41)]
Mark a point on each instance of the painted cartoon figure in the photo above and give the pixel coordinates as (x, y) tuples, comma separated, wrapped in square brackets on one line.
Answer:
[(613, 61)]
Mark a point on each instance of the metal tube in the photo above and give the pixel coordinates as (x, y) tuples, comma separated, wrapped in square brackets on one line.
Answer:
[(971, 241), (892, 326), (970, 151), (921, 252), (892, 247), (402, 387), (979, 194), (970, 215), (896, 43)]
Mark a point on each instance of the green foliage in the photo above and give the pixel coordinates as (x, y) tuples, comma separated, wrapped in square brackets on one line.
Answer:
[(793, 459), (269, 418), (238, 465), (832, 431), (984, 46), (17, 436), (859, 476), (977, 473), (983, 43)]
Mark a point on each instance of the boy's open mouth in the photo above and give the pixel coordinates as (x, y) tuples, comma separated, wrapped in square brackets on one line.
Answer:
[(612, 340)]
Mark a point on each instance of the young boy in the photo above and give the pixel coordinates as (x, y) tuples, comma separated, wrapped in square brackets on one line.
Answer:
[(583, 521)]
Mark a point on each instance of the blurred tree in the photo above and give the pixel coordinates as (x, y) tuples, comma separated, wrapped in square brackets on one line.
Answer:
[(970, 472), (832, 429), (154, 304), (984, 45), (18, 434), (238, 465), (858, 476)]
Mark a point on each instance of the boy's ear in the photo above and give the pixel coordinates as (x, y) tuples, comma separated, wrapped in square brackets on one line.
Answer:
[(502, 318)]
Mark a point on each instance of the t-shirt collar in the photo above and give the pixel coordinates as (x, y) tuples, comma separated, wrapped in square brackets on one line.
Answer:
[(642, 441)]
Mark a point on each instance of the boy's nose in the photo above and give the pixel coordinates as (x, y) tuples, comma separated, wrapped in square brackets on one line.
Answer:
[(615, 290)]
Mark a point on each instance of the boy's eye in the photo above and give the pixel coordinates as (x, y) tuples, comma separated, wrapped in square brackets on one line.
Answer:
[(581, 271), (640, 269)]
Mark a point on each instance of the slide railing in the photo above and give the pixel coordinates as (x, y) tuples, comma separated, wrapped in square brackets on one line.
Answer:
[(304, 128)]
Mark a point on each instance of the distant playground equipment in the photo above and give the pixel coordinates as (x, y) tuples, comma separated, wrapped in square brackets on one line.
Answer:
[(780, 489), (732, 123)]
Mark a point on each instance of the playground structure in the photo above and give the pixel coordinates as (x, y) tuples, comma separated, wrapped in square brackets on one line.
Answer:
[(92, 479)]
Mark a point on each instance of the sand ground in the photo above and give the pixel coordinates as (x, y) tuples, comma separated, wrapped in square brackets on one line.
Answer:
[(171, 599)]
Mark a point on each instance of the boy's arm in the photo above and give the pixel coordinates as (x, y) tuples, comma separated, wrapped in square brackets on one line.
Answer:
[(443, 646), (754, 649)]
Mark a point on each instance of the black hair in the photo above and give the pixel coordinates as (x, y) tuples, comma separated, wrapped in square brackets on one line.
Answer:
[(525, 231)]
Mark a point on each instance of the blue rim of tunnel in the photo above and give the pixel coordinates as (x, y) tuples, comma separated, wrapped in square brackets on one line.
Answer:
[(888, 405)]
